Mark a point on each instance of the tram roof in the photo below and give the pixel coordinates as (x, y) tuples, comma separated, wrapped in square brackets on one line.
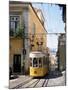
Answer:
[(36, 54)]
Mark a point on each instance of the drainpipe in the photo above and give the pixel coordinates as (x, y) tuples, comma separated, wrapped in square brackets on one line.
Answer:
[(24, 52)]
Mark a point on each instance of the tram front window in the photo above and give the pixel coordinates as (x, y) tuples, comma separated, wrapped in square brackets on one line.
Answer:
[(40, 62), (35, 63)]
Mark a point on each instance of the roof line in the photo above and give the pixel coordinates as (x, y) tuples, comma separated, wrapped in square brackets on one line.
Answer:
[(37, 16), (20, 2)]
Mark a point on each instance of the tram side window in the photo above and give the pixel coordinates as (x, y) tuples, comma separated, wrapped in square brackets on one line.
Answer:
[(44, 61), (47, 60), (40, 62), (35, 63)]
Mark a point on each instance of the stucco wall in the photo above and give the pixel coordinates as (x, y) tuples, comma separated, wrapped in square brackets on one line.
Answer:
[(39, 27)]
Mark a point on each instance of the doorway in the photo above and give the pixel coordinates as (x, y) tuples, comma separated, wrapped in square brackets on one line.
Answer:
[(17, 63)]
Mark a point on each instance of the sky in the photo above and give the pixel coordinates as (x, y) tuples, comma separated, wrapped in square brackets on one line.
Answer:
[(53, 22)]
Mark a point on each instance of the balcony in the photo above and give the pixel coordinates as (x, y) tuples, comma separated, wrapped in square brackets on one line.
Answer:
[(20, 33)]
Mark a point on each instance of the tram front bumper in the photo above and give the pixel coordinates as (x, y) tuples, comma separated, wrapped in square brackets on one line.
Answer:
[(34, 71)]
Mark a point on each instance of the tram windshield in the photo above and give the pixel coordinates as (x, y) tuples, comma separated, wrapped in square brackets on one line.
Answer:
[(35, 62), (40, 62)]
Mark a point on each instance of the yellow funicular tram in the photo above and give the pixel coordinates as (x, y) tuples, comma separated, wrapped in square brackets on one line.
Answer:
[(38, 64)]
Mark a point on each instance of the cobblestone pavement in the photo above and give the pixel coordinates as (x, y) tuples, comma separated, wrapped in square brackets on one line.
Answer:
[(57, 79), (53, 79)]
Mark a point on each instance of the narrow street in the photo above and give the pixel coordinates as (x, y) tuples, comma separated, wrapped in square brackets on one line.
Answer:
[(37, 45), (52, 79)]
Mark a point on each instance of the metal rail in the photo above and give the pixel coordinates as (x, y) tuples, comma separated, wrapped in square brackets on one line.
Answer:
[(32, 83), (21, 84)]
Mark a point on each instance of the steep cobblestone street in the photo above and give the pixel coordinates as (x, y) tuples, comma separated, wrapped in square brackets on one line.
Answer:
[(53, 79)]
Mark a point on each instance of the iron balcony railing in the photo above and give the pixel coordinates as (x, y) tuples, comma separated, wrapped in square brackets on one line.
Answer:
[(22, 34)]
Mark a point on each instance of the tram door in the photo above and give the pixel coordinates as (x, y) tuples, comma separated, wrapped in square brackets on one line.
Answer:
[(17, 63)]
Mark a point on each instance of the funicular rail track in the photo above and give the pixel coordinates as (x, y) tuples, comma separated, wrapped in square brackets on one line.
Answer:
[(32, 83)]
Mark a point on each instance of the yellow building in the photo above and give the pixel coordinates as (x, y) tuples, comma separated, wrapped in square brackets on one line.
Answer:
[(27, 33)]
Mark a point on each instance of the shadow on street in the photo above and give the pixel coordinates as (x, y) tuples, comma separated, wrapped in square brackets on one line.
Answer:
[(50, 75), (53, 74)]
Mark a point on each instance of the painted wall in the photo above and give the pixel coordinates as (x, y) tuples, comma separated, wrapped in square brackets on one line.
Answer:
[(33, 18), (16, 45), (29, 17)]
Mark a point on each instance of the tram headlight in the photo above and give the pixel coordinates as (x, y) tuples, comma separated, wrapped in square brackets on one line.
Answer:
[(35, 72)]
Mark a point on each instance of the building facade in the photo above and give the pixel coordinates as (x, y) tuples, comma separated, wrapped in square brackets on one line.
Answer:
[(62, 52), (27, 33)]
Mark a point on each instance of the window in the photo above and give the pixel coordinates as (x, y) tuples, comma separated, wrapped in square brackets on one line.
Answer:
[(44, 61), (35, 62), (40, 62), (14, 24)]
